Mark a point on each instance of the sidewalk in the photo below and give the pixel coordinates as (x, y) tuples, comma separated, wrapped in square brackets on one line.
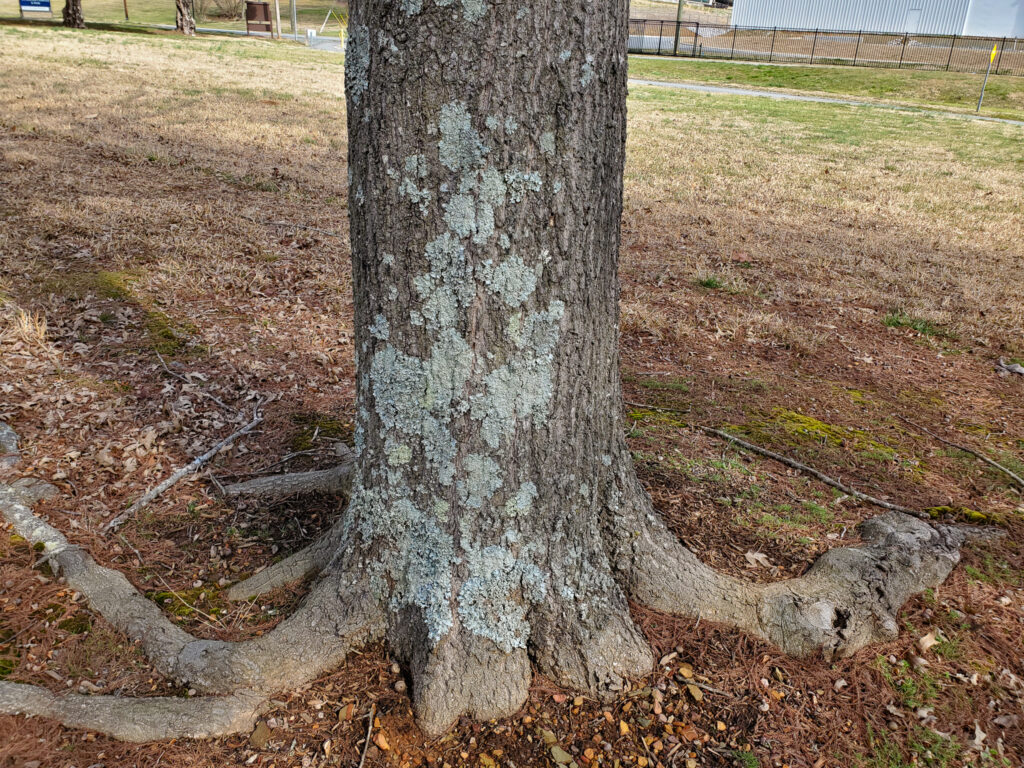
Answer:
[(783, 96)]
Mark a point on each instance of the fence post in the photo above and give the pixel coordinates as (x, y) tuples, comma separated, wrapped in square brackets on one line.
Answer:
[(772, 51), (661, 35), (732, 55), (950, 59), (696, 32), (813, 46), (857, 49), (903, 51), (679, 23), (999, 58)]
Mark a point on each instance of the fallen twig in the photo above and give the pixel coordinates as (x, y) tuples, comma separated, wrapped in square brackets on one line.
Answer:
[(793, 463), (196, 463), (1016, 478), (369, 730)]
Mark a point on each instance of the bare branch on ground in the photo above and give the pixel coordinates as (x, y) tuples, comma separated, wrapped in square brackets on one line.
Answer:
[(191, 468)]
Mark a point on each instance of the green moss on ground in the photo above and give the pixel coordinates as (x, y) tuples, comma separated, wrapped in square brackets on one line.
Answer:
[(800, 430), (106, 285), (319, 425)]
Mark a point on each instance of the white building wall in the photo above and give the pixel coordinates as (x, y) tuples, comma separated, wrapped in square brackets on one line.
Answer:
[(995, 18), (939, 17)]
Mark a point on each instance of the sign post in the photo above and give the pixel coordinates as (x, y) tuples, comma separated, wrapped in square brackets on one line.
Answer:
[(34, 6), (985, 82)]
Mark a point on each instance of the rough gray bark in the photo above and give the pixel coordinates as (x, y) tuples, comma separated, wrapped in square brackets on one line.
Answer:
[(72, 14), (496, 518), (486, 146), (183, 20)]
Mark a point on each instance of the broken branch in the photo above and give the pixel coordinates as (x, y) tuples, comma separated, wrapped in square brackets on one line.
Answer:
[(192, 467)]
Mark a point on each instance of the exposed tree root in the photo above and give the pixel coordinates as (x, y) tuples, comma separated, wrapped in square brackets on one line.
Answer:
[(336, 616), (306, 562), (463, 674), (846, 600), (335, 480), (133, 719)]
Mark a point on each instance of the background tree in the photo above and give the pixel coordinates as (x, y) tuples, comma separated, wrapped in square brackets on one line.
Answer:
[(72, 14), (495, 518), (184, 22)]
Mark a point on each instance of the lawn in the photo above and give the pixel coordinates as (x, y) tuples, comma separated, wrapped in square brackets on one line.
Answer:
[(1004, 96), (219, 14), (173, 226)]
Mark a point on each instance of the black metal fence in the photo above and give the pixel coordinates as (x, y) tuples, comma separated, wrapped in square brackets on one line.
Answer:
[(953, 53)]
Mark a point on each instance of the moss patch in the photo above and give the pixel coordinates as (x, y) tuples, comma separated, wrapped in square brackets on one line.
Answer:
[(167, 336), (76, 625), (319, 425), (185, 603), (798, 429), (970, 515), (106, 285)]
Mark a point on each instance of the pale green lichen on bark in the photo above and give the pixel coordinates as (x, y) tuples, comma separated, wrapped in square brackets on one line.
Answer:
[(511, 280), (417, 398), (521, 502), (547, 143), (415, 169), (587, 71), (479, 480), (522, 388), (357, 62), (460, 147), (494, 600)]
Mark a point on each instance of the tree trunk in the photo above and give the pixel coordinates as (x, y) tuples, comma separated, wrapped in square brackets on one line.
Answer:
[(183, 19), (72, 14), (486, 146)]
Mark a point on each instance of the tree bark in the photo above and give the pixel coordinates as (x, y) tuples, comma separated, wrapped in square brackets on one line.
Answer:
[(72, 14), (183, 20), (486, 147)]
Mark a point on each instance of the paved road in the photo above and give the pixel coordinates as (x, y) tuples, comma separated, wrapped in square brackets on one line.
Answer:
[(733, 91)]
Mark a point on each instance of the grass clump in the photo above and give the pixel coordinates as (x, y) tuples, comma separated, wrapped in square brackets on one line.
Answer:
[(897, 318), (710, 282), (923, 747), (745, 759), (912, 690)]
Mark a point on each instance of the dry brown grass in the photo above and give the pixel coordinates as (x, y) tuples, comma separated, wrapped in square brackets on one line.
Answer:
[(763, 246)]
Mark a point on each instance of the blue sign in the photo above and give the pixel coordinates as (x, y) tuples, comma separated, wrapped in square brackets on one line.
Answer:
[(35, 6)]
